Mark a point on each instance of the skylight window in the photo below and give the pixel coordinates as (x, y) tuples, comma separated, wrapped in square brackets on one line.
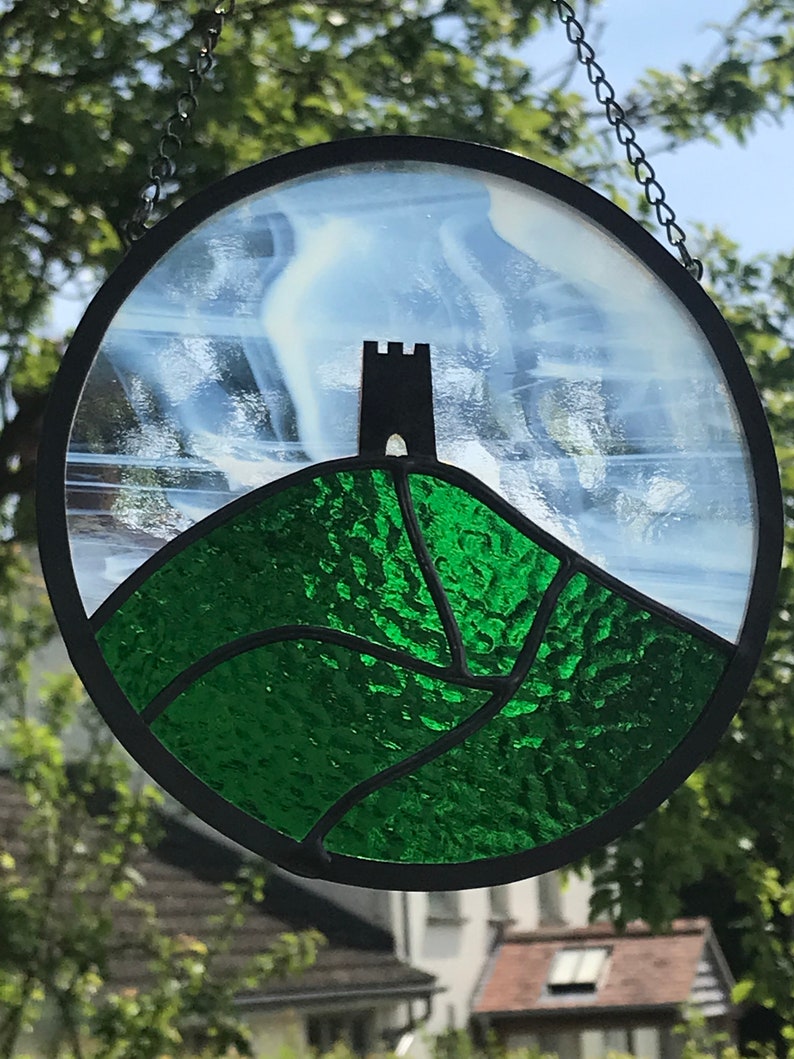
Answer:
[(576, 970)]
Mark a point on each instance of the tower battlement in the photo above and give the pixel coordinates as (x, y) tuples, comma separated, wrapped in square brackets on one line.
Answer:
[(396, 398)]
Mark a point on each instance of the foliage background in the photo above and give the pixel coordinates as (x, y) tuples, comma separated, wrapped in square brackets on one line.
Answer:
[(82, 86)]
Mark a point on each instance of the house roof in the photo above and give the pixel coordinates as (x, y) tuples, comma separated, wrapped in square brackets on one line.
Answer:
[(184, 882), (642, 971)]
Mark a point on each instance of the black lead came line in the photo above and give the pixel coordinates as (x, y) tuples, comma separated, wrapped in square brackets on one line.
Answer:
[(317, 634), (312, 843), (429, 572)]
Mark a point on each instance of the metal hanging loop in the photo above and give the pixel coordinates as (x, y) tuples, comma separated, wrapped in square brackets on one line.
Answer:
[(644, 172), (163, 166)]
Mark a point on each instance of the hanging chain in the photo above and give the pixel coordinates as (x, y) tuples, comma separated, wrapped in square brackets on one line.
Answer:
[(616, 116), (163, 167)]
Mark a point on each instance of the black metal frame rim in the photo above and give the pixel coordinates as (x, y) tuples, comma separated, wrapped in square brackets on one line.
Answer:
[(76, 626)]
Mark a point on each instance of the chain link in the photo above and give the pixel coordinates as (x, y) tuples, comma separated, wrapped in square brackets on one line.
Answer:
[(627, 137), (163, 167)]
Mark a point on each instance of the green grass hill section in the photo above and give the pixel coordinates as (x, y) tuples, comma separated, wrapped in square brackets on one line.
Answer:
[(332, 551), (284, 730), (613, 691), (494, 576)]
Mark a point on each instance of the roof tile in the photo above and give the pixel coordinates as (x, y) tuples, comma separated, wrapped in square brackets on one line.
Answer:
[(644, 969)]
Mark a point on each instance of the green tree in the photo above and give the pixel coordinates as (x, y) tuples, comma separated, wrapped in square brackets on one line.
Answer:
[(84, 89)]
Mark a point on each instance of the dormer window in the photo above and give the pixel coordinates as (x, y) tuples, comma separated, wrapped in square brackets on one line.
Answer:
[(576, 970)]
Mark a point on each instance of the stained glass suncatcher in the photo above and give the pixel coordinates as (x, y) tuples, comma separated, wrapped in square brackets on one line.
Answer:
[(409, 513)]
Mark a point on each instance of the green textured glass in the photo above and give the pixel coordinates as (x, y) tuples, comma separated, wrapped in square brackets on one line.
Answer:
[(332, 552), (612, 692), (347, 624), (493, 575), (284, 730)]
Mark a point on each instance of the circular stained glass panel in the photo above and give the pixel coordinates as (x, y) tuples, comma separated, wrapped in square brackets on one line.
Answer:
[(409, 513)]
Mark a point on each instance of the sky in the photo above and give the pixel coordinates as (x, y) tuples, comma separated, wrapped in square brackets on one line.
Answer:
[(744, 191)]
